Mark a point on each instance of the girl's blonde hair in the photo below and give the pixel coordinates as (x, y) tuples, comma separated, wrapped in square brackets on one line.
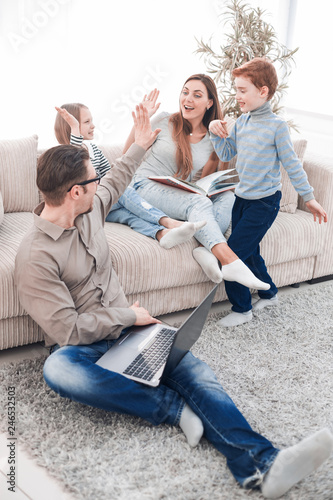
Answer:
[(61, 128)]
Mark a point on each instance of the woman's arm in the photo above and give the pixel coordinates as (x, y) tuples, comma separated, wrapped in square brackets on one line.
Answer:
[(211, 165), (149, 102)]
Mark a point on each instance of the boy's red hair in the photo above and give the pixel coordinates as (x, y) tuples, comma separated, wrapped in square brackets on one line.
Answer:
[(261, 72)]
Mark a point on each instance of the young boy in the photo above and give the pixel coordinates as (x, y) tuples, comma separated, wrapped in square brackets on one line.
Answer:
[(261, 141)]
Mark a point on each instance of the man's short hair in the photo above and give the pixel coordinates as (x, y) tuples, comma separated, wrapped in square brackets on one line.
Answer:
[(58, 169), (261, 72)]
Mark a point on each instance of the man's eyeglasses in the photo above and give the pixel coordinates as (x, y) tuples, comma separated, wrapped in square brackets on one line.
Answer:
[(83, 183)]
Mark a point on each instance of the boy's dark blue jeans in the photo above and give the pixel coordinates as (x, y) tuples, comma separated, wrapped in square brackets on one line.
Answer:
[(251, 220)]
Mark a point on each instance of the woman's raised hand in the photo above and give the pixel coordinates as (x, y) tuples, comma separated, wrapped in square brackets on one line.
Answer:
[(70, 119), (149, 102)]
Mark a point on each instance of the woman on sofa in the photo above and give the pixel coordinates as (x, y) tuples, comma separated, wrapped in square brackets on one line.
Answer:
[(74, 125), (182, 149)]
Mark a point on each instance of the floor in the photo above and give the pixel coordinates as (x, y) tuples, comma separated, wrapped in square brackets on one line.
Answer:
[(32, 481)]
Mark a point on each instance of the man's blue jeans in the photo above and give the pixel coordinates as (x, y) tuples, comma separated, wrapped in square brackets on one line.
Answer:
[(251, 220), (136, 213), (71, 372)]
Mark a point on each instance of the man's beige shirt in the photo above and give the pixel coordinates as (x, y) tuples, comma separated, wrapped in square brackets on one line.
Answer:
[(65, 278)]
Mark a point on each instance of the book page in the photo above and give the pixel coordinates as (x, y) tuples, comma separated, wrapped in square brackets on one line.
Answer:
[(207, 181)]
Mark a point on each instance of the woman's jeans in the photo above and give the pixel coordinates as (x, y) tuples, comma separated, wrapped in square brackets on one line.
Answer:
[(136, 213), (71, 372), (183, 205), (251, 220)]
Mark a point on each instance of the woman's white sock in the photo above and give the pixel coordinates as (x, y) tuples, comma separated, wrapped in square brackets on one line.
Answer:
[(191, 425), (209, 264), (180, 234), (295, 463), (238, 271)]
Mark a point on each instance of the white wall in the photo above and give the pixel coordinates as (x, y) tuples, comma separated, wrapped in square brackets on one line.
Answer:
[(107, 54), (104, 54)]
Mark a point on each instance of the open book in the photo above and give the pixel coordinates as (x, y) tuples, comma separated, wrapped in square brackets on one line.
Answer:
[(211, 184)]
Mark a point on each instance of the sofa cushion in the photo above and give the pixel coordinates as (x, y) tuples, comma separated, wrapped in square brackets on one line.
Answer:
[(1, 209), (292, 237), (18, 174), (12, 231), (143, 265)]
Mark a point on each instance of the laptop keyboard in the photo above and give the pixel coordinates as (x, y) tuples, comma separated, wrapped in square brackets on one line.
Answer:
[(150, 359)]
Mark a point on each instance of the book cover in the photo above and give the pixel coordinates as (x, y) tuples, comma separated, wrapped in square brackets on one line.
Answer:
[(210, 185)]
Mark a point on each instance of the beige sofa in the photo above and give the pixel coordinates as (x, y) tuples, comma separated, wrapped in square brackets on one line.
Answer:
[(295, 248)]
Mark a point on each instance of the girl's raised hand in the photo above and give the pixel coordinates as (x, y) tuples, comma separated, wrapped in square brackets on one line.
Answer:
[(149, 102), (70, 119)]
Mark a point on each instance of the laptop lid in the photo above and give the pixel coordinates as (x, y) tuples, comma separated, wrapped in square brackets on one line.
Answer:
[(134, 343), (189, 333)]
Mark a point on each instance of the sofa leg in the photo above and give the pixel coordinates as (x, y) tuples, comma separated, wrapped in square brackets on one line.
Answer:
[(295, 285), (321, 279)]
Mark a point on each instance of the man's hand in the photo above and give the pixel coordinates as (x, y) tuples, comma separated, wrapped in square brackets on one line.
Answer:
[(317, 210), (149, 102), (142, 315), (70, 119), (144, 136), (219, 127)]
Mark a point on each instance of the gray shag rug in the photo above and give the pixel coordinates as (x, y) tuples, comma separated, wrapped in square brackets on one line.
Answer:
[(278, 369)]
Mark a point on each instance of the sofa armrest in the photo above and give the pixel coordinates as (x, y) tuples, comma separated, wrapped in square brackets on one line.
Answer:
[(319, 170)]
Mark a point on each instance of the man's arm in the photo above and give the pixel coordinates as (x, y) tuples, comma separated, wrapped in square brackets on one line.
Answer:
[(149, 102), (119, 177), (48, 301)]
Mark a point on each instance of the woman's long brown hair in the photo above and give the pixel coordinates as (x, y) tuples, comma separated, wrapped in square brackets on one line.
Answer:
[(182, 128)]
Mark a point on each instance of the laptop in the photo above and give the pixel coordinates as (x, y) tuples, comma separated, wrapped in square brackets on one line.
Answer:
[(147, 354)]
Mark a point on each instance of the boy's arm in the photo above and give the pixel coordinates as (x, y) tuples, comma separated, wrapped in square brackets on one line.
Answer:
[(294, 168), (219, 127), (291, 163), (317, 210), (223, 143)]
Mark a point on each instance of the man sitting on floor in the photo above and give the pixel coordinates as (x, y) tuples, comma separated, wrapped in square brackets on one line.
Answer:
[(66, 283)]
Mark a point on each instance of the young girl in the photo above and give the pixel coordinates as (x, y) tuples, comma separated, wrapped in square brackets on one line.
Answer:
[(182, 149), (74, 125)]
